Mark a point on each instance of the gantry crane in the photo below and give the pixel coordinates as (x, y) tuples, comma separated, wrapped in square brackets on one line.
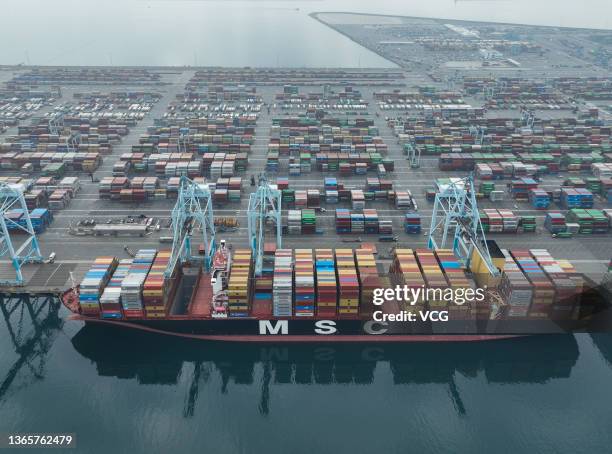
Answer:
[(264, 206), (193, 211), (56, 126), (456, 214), (414, 153), (56, 123), (528, 118), (493, 89), (184, 140), (478, 132), (11, 198)]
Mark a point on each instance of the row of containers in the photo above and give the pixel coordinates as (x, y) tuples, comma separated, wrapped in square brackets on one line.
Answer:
[(97, 126), (301, 222), (41, 218), (367, 221), (37, 138), (129, 288), (53, 163), (372, 184), (311, 198), (334, 192), (304, 77), (77, 76), (217, 95), (322, 282), (344, 163), (502, 134), (46, 192), (307, 283), (505, 221), (238, 287), (167, 165), (341, 282), (578, 196), (546, 163), (140, 189), (535, 285), (201, 130), (569, 197), (597, 184), (579, 221), (532, 165), (287, 139), (518, 85), (532, 284), (500, 131), (197, 144), (36, 146)]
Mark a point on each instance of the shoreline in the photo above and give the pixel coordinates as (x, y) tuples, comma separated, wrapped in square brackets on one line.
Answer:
[(315, 14)]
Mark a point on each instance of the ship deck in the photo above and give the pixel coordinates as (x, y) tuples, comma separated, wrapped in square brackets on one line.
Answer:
[(200, 303)]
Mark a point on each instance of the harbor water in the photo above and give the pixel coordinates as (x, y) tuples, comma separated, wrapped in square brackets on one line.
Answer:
[(130, 392)]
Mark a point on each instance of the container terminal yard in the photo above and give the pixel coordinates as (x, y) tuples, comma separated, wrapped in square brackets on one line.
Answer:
[(281, 182)]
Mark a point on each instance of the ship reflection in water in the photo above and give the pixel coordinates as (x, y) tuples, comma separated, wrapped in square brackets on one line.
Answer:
[(31, 325), (149, 359)]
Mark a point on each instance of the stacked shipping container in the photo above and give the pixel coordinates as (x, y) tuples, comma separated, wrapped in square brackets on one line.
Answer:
[(304, 290), (93, 284), (239, 283), (368, 279), (283, 283), (543, 290), (348, 284), (158, 291), (327, 290), (110, 301), (132, 284)]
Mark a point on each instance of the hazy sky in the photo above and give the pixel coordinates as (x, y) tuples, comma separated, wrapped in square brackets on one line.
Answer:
[(237, 33)]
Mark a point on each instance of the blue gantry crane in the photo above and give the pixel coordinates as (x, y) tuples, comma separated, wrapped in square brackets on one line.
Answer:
[(478, 132), (56, 123), (493, 89), (264, 208), (56, 126), (12, 200), (528, 117), (414, 153), (192, 215), (455, 215)]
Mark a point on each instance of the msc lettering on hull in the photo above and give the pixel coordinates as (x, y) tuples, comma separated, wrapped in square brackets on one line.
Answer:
[(278, 327), (321, 327), (324, 327)]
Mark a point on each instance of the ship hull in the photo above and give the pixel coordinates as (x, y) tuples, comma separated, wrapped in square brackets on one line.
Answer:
[(254, 330)]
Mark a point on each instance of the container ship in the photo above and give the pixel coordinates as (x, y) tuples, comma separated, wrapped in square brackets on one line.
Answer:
[(327, 295)]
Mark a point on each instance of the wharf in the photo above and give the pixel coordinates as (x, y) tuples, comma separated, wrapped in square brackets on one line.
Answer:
[(44, 278)]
